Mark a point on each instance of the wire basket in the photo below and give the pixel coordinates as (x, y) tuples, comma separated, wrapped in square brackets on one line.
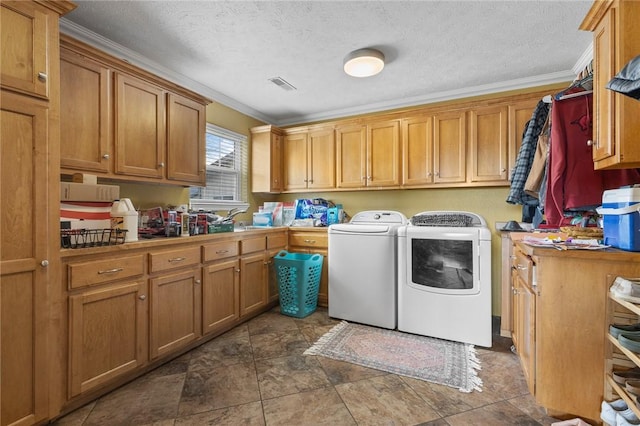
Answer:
[(298, 282), (83, 238)]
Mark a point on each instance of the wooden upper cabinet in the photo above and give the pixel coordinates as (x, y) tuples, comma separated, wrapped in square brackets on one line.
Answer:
[(294, 158), (488, 144), (85, 114), (417, 151), (140, 127), (266, 159), (616, 41), (26, 29), (309, 160), (368, 155), (383, 154), (351, 156), (519, 115), (186, 122), (449, 137)]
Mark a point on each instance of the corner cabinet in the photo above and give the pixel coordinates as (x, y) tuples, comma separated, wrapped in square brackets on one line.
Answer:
[(559, 309), (615, 42), (135, 126), (29, 194), (266, 159)]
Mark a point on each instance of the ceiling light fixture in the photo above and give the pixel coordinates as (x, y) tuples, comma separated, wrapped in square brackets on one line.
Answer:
[(364, 62)]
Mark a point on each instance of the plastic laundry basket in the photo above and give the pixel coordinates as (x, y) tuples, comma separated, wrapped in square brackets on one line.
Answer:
[(298, 282)]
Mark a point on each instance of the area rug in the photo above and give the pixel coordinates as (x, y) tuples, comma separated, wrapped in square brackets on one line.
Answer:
[(434, 360)]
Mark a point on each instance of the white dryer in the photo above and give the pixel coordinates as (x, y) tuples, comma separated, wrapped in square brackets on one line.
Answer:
[(444, 277), (362, 268)]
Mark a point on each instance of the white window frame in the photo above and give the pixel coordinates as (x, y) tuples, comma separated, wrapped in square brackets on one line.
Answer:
[(241, 192)]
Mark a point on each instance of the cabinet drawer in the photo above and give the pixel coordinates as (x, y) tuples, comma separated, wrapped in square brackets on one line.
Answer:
[(172, 259), (102, 271), (276, 241), (221, 250), (252, 245), (524, 266), (309, 239)]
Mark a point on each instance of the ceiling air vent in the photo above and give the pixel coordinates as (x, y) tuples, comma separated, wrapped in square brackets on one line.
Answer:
[(280, 82)]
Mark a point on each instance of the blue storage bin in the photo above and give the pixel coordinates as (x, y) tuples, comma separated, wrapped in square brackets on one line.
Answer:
[(298, 282)]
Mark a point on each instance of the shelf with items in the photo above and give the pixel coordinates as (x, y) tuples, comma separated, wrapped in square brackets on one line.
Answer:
[(617, 356)]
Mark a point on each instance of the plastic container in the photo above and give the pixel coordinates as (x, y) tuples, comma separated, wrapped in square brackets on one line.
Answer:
[(125, 216), (298, 282), (621, 223)]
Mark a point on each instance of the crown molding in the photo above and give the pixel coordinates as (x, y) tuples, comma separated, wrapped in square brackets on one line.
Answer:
[(584, 59)]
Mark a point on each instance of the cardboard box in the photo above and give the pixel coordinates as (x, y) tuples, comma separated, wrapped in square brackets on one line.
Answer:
[(621, 223), (71, 191)]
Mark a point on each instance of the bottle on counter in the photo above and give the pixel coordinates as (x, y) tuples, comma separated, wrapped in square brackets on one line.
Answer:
[(125, 216)]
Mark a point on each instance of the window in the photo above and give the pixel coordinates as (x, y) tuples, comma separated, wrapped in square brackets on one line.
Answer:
[(226, 172)]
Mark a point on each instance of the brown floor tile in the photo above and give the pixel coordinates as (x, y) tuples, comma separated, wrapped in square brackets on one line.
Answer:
[(271, 322), (77, 417), (345, 372), (221, 387), (246, 414), (287, 375), (316, 407), (283, 343), (499, 414), (221, 352), (385, 400)]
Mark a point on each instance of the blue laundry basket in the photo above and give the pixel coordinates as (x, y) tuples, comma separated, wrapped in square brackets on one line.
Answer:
[(298, 282)]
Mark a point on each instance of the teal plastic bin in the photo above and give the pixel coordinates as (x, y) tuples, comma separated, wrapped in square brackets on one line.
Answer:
[(298, 282)]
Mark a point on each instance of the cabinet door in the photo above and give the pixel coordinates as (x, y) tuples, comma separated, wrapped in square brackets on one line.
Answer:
[(272, 277), (107, 334), (24, 36), (488, 144), (85, 114), (604, 69), (220, 296), (351, 156), (294, 155), (266, 159), (519, 115), (253, 284), (24, 303), (186, 123), (525, 309), (449, 139), (174, 311), (417, 151), (383, 154), (140, 127), (321, 159)]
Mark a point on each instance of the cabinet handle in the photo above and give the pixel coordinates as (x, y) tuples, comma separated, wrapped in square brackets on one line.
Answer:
[(589, 142), (429, 174), (222, 251), (142, 297), (310, 180), (105, 156), (310, 241), (237, 269), (521, 268), (513, 289), (177, 259), (44, 263), (306, 180), (503, 171), (268, 262), (197, 281), (161, 165), (110, 271), (42, 76), (436, 174)]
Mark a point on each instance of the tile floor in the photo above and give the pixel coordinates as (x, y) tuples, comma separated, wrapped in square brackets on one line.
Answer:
[(256, 374)]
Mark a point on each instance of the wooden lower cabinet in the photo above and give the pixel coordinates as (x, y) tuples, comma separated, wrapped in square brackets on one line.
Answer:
[(253, 284), (174, 311), (220, 296), (107, 334), (313, 241), (559, 324)]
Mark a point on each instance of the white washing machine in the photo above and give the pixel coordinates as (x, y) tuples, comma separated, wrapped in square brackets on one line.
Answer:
[(362, 268), (444, 277)]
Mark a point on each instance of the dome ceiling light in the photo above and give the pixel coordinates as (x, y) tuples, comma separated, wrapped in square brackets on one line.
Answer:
[(364, 62)]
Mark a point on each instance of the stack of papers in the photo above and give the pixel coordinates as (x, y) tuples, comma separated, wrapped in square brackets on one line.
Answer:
[(568, 244)]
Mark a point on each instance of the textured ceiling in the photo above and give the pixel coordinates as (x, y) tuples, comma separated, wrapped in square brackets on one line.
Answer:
[(228, 50)]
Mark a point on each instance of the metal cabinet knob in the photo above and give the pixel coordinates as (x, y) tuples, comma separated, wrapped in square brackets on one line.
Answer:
[(142, 297), (42, 76), (106, 156), (589, 142), (44, 263), (161, 165), (197, 281)]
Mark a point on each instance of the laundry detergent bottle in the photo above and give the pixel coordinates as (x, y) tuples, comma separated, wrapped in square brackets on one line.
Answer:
[(125, 216)]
